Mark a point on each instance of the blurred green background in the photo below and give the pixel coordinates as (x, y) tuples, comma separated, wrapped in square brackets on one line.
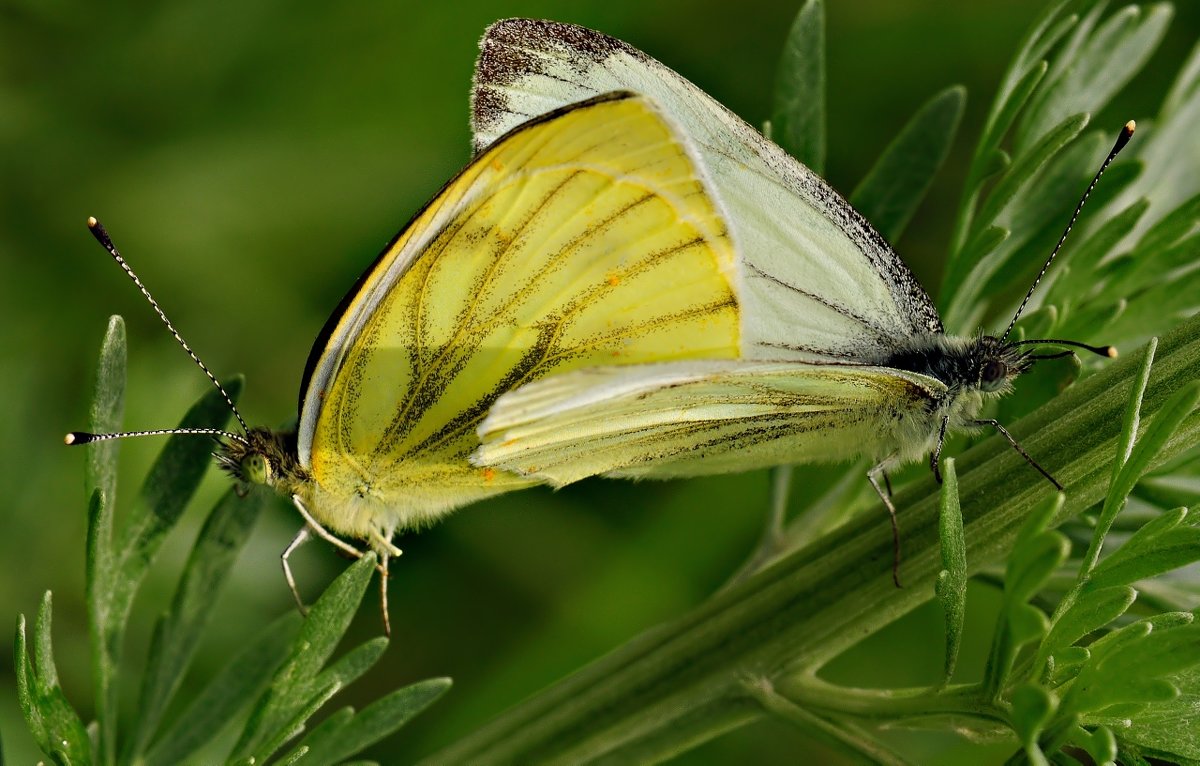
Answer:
[(250, 159)]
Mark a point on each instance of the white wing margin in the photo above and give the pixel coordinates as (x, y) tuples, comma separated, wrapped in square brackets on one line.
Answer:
[(818, 282), (691, 418)]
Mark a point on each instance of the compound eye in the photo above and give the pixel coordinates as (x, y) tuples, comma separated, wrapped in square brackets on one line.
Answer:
[(255, 468), (994, 370)]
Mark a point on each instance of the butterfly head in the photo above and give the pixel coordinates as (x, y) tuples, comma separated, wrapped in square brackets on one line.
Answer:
[(996, 364), (263, 457)]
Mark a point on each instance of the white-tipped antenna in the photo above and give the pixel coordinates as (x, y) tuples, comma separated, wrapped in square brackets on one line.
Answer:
[(82, 437), (1122, 139)]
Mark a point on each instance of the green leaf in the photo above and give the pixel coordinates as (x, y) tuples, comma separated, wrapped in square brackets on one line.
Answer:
[(951, 584), (1093, 609), (1171, 228), (1089, 73), (354, 733), (1065, 664), (1160, 546), (892, 190), (1161, 430), (274, 718), (1130, 666), (168, 487), (1132, 421), (100, 480), (177, 633), (108, 408), (968, 293), (1076, 273), (1168, 729), (55, 725), (1032, 563), (1032, 708), (111, 587), (1100, 744), (226, 694), (352, 665), (798, 122)]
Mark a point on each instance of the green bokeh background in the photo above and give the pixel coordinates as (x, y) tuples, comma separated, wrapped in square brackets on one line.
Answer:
[(250, 159)]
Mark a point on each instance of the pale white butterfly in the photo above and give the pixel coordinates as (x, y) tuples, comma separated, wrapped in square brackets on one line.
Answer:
[(842, 352)]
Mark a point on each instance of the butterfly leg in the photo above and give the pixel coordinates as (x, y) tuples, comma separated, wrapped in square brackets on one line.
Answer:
[(996, 425), (324, 533), (935, 457), (873, 476), (383, 593), (301, 538)]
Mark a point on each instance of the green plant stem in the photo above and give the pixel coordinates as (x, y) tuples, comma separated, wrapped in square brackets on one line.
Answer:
[(847, 738), (968, 700), (682, 684)]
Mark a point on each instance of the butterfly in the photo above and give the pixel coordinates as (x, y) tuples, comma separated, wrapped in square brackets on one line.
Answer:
[(580, 238), (842, 353)]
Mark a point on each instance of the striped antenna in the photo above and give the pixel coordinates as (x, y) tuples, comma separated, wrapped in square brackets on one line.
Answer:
[(1122, 139), (82, 437)]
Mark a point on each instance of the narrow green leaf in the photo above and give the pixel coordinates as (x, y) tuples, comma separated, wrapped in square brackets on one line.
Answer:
[(1157, 434), (1032, 708), (990, 143), (1171, 228), (100, 481), (169, 486), (291, 688), (1027, 623), (352, 665), (1076, 275), (985, 242), (216, 548), (1100, 744), (329, 729), (1032, 563), (1168, 729), (1149, 555), (228, 692), (951, 584), (294, 726), (1186, 85), (1159, 653), (378, 720), (1100, 67), (54, 724), (1093, 609), (1132, 421), (1159, 306), (1065, 664), (1037, 215), (798, 122), (1149, 268), (107, 413), (892, 190)]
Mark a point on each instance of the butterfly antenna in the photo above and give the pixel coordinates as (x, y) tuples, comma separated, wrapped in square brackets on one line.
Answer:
[(1109, 351), (101, 235), (1122, 139), (83, 437)]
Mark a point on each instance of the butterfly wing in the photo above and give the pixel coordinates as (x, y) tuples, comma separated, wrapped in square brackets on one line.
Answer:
[(582, 238), (817, 282), (705, 417)]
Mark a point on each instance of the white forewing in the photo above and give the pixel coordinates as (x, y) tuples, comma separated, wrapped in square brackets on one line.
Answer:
[(692, 418), (816, 281)]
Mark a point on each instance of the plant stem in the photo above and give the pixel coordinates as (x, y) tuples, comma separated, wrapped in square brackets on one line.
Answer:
[(683, 683)]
